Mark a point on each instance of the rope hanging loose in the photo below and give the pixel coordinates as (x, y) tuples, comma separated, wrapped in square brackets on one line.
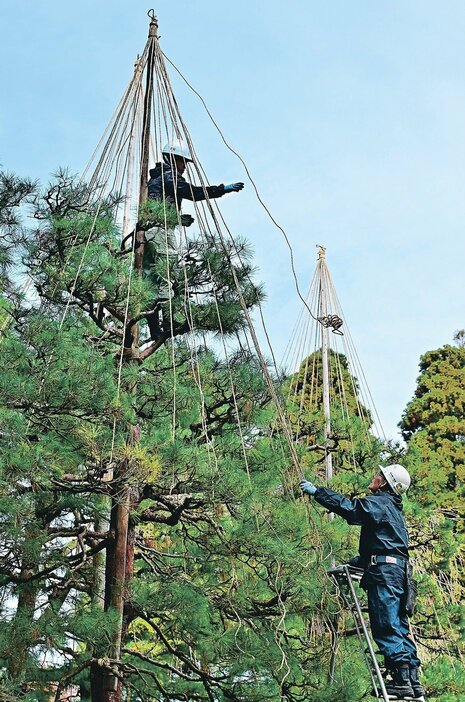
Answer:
[(233, 151)]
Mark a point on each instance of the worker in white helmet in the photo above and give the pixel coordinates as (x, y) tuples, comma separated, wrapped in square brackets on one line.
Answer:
[(168, 183), (384, 556)]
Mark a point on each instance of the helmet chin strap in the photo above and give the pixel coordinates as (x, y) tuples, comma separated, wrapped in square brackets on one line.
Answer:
[(385, 485), (173, 160)]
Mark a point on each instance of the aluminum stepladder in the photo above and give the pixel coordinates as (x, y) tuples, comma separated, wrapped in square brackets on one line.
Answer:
[(344, 577)]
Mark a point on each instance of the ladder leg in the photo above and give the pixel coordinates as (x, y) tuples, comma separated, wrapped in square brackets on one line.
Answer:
[(350, 606), (359, 631)]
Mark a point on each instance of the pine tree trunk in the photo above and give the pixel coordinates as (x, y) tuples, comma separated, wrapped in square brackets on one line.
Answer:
[(129, 572), (116, 574), (94, 689), (120, 555), (23, 620)]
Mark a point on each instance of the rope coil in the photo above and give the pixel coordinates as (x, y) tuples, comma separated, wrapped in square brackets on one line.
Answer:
[(332, 321)]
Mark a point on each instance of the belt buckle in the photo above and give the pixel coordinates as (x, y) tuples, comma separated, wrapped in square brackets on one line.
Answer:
[(373, 560)]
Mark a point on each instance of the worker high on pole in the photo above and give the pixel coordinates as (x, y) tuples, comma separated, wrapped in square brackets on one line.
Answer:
[(384, 557), (168, 183)]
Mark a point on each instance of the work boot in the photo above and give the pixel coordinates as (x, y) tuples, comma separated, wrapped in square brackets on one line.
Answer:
[(418, 690), (400, 687)]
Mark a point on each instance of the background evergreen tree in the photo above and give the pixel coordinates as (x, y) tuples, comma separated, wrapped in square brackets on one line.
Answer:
[(356, 452), (433, 425)]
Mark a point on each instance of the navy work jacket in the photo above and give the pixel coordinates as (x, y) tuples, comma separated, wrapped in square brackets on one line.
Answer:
[(166, 184), (383, 533)]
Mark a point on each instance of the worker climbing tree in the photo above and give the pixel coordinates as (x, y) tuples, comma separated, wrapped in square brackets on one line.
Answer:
[(167, 181)]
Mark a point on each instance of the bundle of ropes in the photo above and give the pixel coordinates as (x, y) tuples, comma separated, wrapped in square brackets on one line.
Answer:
[(117, 171)]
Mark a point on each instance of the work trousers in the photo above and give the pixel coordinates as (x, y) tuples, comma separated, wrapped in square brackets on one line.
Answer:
[(385, 587)]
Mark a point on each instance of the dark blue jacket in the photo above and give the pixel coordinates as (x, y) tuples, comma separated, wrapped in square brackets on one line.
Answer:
[(168, 185), (383, 533)]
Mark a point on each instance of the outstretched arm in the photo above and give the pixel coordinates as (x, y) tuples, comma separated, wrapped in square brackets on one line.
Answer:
[(188, 191), (353, 511), (198, 192)]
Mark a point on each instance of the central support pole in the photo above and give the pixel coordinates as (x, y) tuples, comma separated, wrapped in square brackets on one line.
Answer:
[(120, 557), (130, 161), (322, 313), (144, 161)]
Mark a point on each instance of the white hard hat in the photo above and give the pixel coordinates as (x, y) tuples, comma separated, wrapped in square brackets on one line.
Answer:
[(177, 147), (397, 477)]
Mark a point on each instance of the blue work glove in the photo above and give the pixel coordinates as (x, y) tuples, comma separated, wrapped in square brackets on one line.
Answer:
[(233, 188), (307, 486)]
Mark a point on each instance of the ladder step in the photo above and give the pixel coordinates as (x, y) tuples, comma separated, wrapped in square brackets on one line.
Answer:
[(400, 699)]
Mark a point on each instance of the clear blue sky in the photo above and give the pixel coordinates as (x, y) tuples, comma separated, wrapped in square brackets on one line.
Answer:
[(350, 115)]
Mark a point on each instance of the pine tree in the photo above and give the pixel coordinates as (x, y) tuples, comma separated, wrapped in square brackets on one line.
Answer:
[(226, 574)]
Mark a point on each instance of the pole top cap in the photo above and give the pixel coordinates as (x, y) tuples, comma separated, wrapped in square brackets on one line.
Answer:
[(153, 21)]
